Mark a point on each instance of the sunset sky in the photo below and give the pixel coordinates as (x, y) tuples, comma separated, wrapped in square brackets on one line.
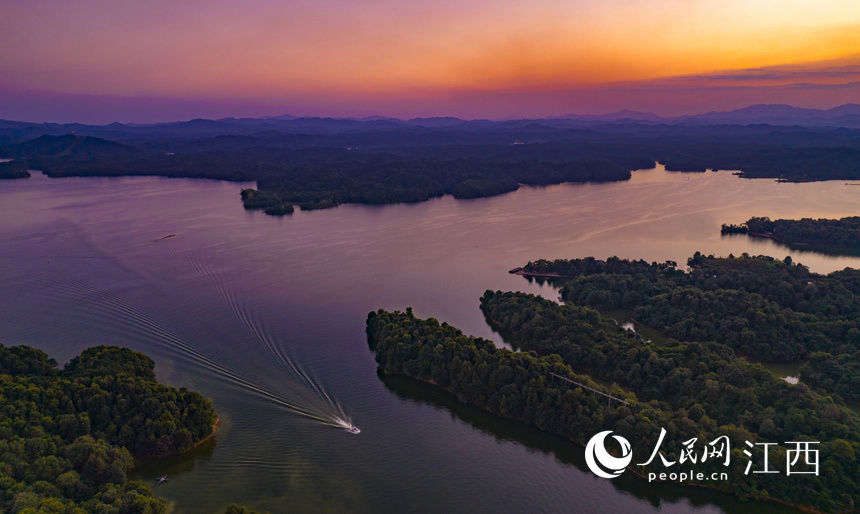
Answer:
[(101, 61)]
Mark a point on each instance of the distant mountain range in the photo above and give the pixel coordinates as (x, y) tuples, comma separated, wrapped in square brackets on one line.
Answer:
[(847, 116)]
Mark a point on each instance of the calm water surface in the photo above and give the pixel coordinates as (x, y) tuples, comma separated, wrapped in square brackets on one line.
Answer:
[(266, 315)]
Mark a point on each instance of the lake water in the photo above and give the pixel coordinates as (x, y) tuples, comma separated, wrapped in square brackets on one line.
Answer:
[(233, 301)]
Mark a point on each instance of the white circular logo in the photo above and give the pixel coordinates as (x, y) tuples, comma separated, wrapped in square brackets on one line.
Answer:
[(600, 462)]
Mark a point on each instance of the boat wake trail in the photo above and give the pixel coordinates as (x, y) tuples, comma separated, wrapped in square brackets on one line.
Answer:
[(329, 409), (117, 315)]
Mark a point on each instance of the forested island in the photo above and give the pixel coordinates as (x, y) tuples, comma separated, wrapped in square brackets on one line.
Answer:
[(829, 235), (698, 381), (315, 163), (14, 169), (68, 437)]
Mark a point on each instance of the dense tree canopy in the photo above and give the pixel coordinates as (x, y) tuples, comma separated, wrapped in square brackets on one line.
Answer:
[(833, 235), (837, 373), (699, 390), (695, 381), (764, 308), (320, 163), (67, 436)]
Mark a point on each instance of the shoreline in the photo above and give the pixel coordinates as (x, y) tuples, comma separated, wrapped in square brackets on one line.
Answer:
[(807, 247), (523, 273), (215, 427)]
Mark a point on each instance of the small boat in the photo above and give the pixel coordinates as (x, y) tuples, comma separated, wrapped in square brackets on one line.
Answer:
[(161, 479), (347, 425)]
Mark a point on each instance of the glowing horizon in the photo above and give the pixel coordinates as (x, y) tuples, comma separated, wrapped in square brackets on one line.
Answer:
[(470, 57)]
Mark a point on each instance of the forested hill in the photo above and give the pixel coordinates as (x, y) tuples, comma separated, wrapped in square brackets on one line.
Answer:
[(321, 162), (68, 436)]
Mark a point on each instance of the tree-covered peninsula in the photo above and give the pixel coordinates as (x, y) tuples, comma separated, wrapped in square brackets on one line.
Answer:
[(763, 308), (828, 235), (697, 387), (68, 437)]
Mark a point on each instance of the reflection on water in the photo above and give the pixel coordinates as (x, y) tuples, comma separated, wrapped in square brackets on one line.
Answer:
[(566, 452), (238, 298)]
